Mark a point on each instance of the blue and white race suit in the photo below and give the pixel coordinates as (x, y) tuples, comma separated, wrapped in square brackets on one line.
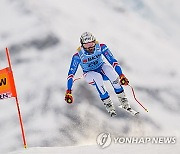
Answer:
[(96, 70)]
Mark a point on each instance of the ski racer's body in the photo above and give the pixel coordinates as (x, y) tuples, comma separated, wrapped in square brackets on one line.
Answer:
[(90, 57)]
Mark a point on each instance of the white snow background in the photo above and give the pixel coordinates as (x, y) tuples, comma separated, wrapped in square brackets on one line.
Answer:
[(43, 35)]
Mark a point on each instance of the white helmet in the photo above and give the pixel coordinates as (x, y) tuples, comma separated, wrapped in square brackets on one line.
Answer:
[(87, 37)]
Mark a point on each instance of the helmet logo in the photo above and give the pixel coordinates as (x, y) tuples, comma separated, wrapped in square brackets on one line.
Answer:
[(87, 37)]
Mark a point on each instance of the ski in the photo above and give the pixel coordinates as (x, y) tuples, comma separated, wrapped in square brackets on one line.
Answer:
[(130, 110), (113, 113), (133, 112)]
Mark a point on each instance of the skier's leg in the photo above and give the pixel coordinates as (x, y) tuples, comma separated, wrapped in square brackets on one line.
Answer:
[(114, 79), (95, 78)]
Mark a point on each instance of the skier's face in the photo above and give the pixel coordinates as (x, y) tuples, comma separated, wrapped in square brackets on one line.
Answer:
[(90, 46)]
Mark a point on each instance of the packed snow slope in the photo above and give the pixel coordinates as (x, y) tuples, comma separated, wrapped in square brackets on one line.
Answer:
[(43, 35), (115, 149)]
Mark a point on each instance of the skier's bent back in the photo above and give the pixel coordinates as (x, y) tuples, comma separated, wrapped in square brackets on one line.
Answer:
[(89, 56)]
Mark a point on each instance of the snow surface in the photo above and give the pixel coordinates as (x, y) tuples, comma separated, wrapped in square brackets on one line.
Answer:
[(115, 149), (43, 35)]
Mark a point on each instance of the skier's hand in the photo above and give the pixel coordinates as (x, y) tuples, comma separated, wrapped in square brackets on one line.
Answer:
[(123, 80), (68, 96)]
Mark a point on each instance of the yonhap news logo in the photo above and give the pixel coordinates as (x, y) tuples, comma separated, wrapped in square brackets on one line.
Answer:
[(105, 139), (145, 140)]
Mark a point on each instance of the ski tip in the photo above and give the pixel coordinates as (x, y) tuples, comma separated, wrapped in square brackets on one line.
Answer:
[(137, 113), (113, 115)]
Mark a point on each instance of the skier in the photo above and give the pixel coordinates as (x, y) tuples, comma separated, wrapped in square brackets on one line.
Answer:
[(89, 56)]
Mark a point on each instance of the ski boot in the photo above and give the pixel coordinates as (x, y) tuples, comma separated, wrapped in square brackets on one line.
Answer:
[(109, 107), (124, 104)]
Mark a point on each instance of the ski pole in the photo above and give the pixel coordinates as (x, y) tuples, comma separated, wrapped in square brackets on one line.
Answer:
[(136, 98), (78, 78)]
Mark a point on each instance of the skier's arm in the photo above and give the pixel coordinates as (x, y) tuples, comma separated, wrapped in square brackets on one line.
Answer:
[(72, 70), (110, 58)]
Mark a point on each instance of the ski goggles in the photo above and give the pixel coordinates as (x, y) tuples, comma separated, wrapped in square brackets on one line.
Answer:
[(89, 45)]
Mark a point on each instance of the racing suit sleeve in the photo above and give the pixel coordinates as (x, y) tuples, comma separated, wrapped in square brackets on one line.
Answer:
[(72, 70), (110, 58)]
